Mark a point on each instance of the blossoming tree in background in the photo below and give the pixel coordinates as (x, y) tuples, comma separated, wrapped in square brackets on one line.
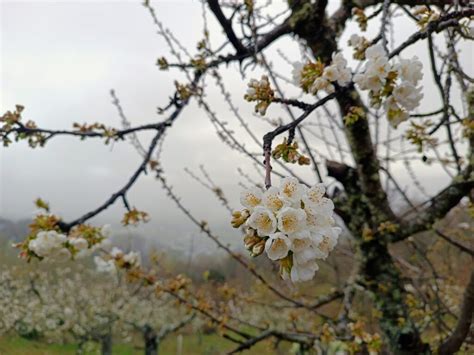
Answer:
[(82, 307), (364, 118)]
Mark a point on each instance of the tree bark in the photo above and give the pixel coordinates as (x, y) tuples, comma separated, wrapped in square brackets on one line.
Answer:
[(365, 204), (106, 344), (151, 341)]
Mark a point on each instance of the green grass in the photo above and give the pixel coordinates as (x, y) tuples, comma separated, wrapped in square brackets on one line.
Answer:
[(192, 345)]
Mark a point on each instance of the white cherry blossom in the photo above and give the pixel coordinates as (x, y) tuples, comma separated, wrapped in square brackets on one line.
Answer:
[(331, 73), (296, 72), (272, 199), (251, 198), (410, 70), (47, 243), (325, 206), (378, 67), (291, 220), (116, 252), (105, 266), (106, 230), (395, 113), (315, 221), (305, 255), (345, 76), (133, 258), (375, 51), (300, 240), (304, 271), (291, 190), (263, 220), (322, 83), (338, 60), (355, 40), (402, 95), (314, 194), (277, 246), (326, 240), (407, 95), (79, 243)]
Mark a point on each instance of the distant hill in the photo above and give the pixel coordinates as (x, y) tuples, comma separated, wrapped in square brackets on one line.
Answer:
[(13, 231)]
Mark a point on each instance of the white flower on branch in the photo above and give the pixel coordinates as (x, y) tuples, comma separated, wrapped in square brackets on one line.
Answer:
[(263, 220), (331, 73), (132, 258), (251, 198), (395, 113), (272, 199), (407, 95), (277, 246), (326, 240), (294, 222), (303, 271), (105, 266), (79, 243), (296, 73), (355, 40), (410, 70), (291, 190), (396, 84), (322, 84), (47, 243), (375, 51), (291, 220), (315, 76)]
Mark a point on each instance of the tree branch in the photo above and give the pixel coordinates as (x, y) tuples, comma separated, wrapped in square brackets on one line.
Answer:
[(439, 205), (453, 343), (226, 26), (449, 20), (455, 243)]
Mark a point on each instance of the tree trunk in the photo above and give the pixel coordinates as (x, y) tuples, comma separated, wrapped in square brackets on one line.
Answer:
[(106, 344), (150, 340), (366, 205)]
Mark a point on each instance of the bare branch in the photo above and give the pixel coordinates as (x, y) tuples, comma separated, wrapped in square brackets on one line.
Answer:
[(453, 343), (455, 243)]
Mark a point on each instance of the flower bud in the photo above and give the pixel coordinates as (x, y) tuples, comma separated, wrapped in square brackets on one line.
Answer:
[(258, 248), (303, 160), (239, 218), (250, 241)]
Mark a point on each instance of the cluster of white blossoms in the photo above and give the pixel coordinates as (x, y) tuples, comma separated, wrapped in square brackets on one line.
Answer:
[(55, 246), (292, 224), (397, 83), (117, 258), (360, 44), (313, 77), (50, 244), (261, 92)]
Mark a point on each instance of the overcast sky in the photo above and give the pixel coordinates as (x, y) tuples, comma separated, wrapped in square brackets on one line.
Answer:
[(60, 59)]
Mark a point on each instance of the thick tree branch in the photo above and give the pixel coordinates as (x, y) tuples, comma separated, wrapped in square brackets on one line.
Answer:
[(226, 26), (439, 205)]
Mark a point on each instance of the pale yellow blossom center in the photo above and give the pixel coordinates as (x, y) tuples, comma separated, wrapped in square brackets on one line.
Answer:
[(252, 200)]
